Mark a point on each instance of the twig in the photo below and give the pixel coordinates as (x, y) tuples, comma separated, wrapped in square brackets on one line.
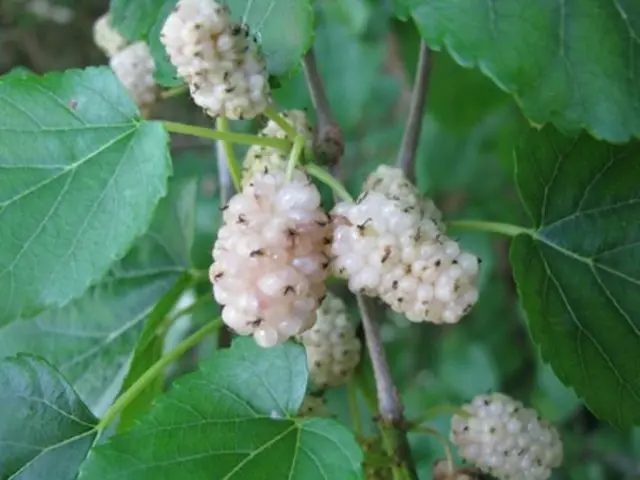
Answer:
[(388, 399), (329, 143), (226, 192), (389, 405), (409, 146)]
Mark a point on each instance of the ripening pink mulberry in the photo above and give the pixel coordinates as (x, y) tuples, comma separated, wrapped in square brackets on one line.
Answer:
[(269, 258)]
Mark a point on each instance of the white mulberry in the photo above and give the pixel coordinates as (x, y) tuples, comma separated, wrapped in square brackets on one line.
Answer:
[(218, 59), (333, 350), (135, 68), (503, 438), (269, 258), (390, 244), (259, 158), (106, 37)]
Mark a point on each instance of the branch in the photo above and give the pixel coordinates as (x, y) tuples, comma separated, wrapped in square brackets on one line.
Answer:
[(226, 192), (329, 144), (409, 146), (389, 405)]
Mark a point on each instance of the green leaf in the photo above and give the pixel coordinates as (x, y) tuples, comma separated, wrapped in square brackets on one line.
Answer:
[(166, 74), (134, 19), (353, 14), (553, 400), (201, 166), (81, 176), (147, 352), (231, 420), (20, 71), (349, 78), (466, 367), (578, 272), (576, 64), (284, 29), (45, 429), (91, 339), (450, 160), (401, 9)]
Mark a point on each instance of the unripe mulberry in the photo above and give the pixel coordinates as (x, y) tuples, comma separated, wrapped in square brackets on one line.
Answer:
[(269, 261), (106, 37), (503, 438), (218, 59), (333, 350), (313, 406), (391, 244), (260, 159), (135, 68)]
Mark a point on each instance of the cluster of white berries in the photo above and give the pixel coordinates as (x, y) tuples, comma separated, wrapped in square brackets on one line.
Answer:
[(391, 244), (260, 159), (132, 64), (503, 438), (333, 350), (270, 263), (218, 59)]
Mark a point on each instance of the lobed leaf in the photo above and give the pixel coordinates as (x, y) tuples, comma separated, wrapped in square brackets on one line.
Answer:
[(231, 420), (91, 339), (578, 272), (576, 64), (80, 176), (45, 429)]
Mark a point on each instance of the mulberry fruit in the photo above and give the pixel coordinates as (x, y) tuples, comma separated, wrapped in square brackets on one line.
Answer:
[(506, 440), (269, 258), (390, 244), (333, 350), (217, 58), (135, 68), (106, 37)]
